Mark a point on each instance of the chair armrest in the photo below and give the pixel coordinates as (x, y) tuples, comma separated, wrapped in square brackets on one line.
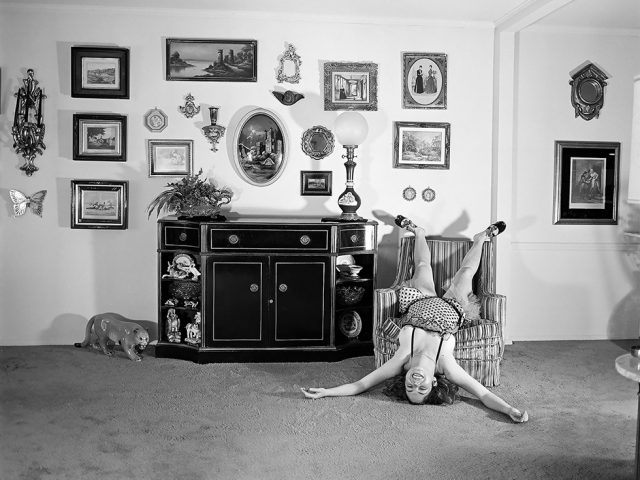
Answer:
[(493, 307), (385, 303)]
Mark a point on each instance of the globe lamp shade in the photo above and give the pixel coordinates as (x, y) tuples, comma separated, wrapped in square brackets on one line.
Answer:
[(351, 128)]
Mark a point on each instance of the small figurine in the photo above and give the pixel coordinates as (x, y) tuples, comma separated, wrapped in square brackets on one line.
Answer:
[(183, 268), (191, 304), (194, 334), (173, 326), (172, 302), (113, 327)]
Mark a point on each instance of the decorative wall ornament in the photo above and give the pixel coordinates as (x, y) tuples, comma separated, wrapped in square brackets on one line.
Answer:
[(28, 129), (409, 193), (289, 69), (424, 80), (213, 132), (587, 91), (428, 194), (350, 86), (288, 98), (189, 109), (21, 202), (155, 120), (318, 142)]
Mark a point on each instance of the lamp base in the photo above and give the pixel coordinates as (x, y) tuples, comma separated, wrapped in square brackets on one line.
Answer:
[(346, 217)]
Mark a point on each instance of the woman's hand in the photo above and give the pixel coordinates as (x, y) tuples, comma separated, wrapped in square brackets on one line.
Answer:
[(314, 392), (518, 416)]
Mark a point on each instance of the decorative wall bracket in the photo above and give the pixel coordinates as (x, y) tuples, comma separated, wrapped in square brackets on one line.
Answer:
[(213, 132), (289, 69), (28, 129), (189, 109), (288, 98), (587, 91)]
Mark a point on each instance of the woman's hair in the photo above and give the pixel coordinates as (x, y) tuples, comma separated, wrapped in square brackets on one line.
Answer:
[(443, 393)]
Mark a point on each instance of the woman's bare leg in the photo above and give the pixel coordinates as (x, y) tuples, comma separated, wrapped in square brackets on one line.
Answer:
[(462, 284), (423, 273)]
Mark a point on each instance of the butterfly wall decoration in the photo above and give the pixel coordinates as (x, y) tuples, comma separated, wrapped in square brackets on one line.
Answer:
[(22, 201)]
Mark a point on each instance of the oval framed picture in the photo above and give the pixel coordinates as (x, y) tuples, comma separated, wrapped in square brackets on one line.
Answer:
[(261, 147)]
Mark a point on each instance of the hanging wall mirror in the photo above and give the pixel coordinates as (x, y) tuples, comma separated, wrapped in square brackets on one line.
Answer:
[(587, 91), (289, 69), (318, 142)]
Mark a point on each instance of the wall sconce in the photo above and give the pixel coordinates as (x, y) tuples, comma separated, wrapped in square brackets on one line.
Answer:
[(213, 132), (351, 130), (28, 129)]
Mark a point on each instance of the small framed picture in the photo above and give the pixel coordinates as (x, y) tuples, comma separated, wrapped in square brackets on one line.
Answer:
[(350, 86), (100, 137), (170, 158), (98, 72), (421, 145), (212, 60), (99, 204), (315, 182), (424, 80), (586, 183)]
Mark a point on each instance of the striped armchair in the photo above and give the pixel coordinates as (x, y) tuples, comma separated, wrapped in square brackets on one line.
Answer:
[(480, 344)]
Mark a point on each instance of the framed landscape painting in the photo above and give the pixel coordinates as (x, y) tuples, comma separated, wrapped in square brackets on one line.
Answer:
[(421, 145), (170, 158), (212, 60), (424, 80), (315, 182), (101, 204), (100, 137), (99, 72), (350, 86), (586, 183)]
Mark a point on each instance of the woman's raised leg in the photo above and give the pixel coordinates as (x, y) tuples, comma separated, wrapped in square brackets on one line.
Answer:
[(422, 278)]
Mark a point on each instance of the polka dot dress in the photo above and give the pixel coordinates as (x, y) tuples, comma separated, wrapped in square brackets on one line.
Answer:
[(435, 314)]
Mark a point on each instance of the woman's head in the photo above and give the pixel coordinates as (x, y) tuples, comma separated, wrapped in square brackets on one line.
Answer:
[(442, 391), (419, 379)]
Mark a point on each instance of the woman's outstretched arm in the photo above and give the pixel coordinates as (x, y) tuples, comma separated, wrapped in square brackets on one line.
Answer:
[(390, 369), (457, 375)]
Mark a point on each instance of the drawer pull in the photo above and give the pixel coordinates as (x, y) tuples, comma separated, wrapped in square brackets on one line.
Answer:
[(183, 237), (353, 238), (253, 288), (233, 239), (283, 287), (305, 240)]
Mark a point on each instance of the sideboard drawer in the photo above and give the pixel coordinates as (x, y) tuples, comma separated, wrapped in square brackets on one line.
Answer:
[(356, 238), (179, 236), (274, 239)]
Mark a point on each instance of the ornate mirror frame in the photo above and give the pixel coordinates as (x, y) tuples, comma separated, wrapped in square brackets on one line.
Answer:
[(310, 140), (587, 91), (288, 60)]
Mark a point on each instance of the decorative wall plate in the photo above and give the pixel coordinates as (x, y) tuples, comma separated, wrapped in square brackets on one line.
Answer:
[(350, 324), (428, 194), (409, 194), (155, 120), (318, 142)]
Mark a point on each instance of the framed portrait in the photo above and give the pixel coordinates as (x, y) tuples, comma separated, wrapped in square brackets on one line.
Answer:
[(261, 147), (421, 145), (99, 204), (170, 158), (315, 182), (212, 60), (99, 72), (424, 80), (350, 86), (586, 183), (100, 137)]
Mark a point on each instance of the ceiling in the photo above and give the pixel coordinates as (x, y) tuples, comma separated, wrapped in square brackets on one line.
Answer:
[(599, 14)]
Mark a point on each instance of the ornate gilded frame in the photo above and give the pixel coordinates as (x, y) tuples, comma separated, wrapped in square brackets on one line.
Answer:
[(587, 91), (289, 60), (313, 137), (350, 86)]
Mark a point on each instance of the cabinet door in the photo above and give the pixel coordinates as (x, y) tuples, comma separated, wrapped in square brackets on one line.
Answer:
[(236, 303), (302, 300)]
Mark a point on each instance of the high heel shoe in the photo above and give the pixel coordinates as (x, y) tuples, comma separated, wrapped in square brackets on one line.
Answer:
[(404, 222), (496, 229)]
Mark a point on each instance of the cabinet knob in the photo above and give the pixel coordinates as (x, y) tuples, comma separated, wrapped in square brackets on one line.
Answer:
[(253, 288), (283, 287), (305, 239), (183, 237), (353, 238), (271, 300), (233, 239)]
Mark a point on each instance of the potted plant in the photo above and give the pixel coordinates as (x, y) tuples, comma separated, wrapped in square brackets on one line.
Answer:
[(193, 198)]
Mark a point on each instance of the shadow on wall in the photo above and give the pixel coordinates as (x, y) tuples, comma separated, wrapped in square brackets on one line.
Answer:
[(67, 322)]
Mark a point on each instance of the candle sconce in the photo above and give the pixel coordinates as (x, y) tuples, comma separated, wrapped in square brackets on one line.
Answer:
[(28, 129), (213, 132)]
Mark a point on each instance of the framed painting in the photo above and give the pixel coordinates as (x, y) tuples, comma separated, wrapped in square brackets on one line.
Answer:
[(421, 145), (212, 60), (99, 204), (100, 137), (315, 182), (424, 80), (261, 147), (99, 72), (170, 158), (350, 86), (586, 183)]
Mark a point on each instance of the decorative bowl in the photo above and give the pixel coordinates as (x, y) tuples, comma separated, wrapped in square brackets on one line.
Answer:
[(354, 270), (185, 290), (349, 294)]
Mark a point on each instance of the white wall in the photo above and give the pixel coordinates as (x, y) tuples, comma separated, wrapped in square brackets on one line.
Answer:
[(54, 277), (570, 281)]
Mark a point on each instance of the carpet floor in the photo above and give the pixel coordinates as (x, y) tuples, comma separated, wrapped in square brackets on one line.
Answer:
[(71, 413)]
